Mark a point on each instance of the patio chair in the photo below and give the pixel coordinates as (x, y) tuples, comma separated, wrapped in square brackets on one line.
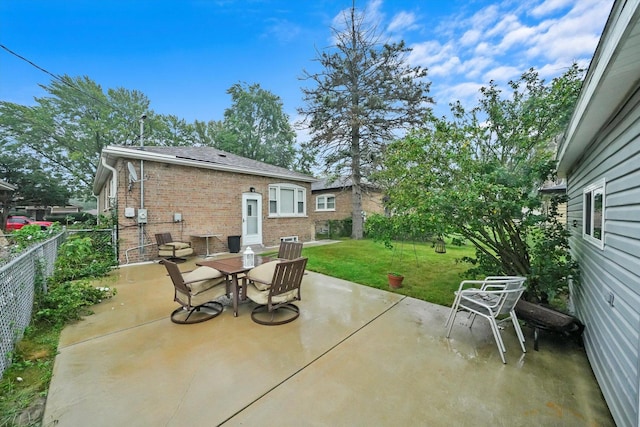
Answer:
[(290, 250), (172, 250), (274, 286), (496, 297), (196, 291)]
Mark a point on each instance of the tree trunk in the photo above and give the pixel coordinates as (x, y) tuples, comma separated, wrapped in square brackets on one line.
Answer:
[(356, 178), (356, 213)]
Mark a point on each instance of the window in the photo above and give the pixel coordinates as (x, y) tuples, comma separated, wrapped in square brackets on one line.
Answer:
[(593, 214), (326, 202), (287, 200)]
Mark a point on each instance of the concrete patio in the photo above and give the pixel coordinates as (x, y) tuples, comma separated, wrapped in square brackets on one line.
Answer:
[(355, 356)]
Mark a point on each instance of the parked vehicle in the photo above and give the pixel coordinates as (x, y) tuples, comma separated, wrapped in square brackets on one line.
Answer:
[(16, 222)]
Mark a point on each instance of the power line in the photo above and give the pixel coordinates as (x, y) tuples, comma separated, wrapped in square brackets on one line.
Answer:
[(65, 81)]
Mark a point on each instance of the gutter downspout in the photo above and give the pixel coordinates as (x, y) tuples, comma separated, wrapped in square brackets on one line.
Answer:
[(113, 200), (141, 232)]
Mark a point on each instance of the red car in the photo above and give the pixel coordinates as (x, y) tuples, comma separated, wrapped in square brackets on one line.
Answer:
[(16, 222)]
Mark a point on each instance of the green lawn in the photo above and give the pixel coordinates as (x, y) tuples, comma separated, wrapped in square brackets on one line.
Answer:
[(428, 275)]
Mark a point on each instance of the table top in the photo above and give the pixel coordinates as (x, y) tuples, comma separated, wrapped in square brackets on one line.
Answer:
[(206, 235), (232, 265)]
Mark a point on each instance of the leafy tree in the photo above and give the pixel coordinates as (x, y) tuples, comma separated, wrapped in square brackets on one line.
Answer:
[(205, 133), (256, 127), (67, 130), (170, 130), (34, 184), (478, 175), (364, 94)]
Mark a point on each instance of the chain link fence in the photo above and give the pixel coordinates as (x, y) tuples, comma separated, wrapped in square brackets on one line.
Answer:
[(19, 280)]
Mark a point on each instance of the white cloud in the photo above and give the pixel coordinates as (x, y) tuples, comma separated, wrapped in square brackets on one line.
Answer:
[(506, 24), (499, 42), (372, 15), (403, 21), (572, 36), (463, 92), (549, 6), (485, 18), (484, 48), (430, 54), (470, 37), (446, 68), (503, 74), (474, 67), (282, 30), (520, 35), (549, 71)]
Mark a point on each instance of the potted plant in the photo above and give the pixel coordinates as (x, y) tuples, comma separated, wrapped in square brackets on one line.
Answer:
[(395, 280)]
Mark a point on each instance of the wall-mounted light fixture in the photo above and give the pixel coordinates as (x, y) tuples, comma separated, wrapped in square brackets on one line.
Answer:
[(252, 189), (575, 223)]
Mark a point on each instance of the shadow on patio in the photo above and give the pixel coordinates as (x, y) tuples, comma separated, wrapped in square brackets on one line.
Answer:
[(356, 356)]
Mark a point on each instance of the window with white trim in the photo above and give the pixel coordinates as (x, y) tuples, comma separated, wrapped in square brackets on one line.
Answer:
[(287, 200), (593, 213), (326, 202)]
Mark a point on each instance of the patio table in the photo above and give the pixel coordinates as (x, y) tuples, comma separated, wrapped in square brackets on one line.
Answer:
[(206, 237), (233, 267)]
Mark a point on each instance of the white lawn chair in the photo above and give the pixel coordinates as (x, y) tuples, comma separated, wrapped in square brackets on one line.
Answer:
[(493, 297)]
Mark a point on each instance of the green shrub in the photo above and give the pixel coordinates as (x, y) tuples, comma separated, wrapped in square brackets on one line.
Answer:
[(68, 297), (340, 228), (30, 235), (80, 258), (401, 228), (68, 301), (83, 256), (84, 218)]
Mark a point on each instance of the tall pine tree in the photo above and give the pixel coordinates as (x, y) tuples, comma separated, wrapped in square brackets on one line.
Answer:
[(364, 95)]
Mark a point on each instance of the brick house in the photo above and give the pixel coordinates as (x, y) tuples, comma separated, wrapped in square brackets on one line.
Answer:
[(193, 191), (331, 201)]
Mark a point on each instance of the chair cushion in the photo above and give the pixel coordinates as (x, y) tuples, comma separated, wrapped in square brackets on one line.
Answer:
[(179, 253), (202, 273), (203, 278), (178, 245), (262, 275), (262, 297), (207, 295)]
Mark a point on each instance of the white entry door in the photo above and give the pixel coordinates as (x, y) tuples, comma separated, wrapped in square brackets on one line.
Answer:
[(251, 219)]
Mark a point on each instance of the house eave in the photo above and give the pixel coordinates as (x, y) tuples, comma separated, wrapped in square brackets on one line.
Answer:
[(5, 186), (610, 80)]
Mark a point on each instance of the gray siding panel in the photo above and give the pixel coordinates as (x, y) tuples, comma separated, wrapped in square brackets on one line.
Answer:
[(612, 333), (629, 229)]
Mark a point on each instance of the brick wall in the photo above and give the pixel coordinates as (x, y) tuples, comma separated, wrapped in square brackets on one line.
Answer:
[(208, 200), (371, 203)]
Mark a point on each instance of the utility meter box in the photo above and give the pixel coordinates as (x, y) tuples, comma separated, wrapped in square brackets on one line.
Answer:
[(142, 216), (177, 217), (129, 212)]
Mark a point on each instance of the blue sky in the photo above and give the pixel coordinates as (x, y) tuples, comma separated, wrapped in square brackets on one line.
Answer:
[(184, 55)]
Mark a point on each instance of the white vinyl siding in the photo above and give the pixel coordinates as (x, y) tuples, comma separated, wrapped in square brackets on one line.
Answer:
[(607, 299)]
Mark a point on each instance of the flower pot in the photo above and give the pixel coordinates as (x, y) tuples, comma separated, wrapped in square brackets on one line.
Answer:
[(395, 280)]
